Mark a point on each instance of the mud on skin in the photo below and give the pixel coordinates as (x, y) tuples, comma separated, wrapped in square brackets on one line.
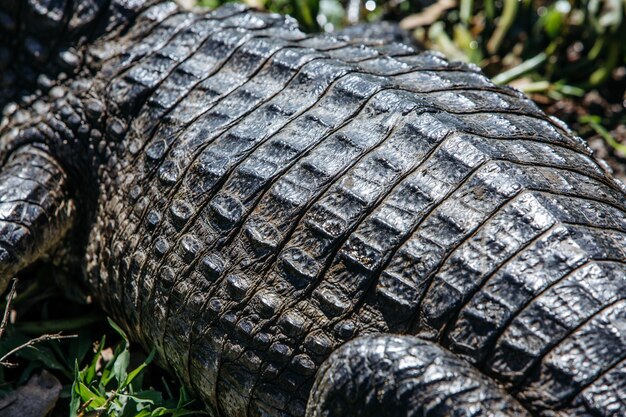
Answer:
[(306, 225)]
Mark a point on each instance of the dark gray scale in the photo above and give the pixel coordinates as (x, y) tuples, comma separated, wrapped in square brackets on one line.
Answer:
[(531, 152), (483, 102), (25, 200), (198, 131), (283, 148), (210, 56), (243, 139), (296, 139), (398, 49), (358, 373), (271, 109), (353, 53), (154, 28), (561, 249), (402, 285), (216, 121), (145, 22), (169, 171), (429, 61), (323, 43), (329, 299), (523, 219), (328, 220), (366, 248), (452, 290), (584, 209), (479, 199), (222, 206), (434, 81), (313, 171), (321, 165), (385, 65), (216, 209), (157, 37), (324, 295), (511, 126), (32, 195), (284, 65), (604, 395), (354, 195), (428, 73), (251, 50), (157, 151), (553, 315), (473, 203), (245, 61), (292, 323), (477, 96), (130, 90), (600, 346), (549, 201), (184, 305), (232, 73)]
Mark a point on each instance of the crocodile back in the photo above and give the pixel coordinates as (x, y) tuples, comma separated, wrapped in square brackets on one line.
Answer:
[(269, 195)]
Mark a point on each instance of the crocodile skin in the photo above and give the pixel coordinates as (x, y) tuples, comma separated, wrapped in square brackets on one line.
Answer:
[(253, 197)]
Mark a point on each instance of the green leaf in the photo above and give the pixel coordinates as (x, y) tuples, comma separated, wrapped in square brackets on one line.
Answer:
[(44, 354), (86, 394), (107, 376), (75, 399), (183, 398), (80, 346), (133, 374), (119, 330), (120, 365), (160, 411), (91, 370), (151, 396), (553, 22)]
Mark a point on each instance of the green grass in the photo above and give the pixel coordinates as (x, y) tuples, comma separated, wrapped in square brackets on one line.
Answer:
[(102, 373), (113, 388)]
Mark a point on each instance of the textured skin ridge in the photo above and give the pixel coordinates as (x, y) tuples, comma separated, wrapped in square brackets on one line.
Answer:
[(261, 204), (372, 373), (296, 229)]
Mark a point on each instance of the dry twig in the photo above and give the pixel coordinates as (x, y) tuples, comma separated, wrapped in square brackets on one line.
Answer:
[(31, 342), (7, 308)]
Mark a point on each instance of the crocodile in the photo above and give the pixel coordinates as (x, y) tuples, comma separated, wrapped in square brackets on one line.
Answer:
[(307, 224)]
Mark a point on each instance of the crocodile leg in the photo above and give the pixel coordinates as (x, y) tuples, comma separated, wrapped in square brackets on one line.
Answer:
[(372, 375), (36, 210)]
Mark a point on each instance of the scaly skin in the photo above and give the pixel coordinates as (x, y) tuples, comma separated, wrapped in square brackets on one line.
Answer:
[(260, 204)]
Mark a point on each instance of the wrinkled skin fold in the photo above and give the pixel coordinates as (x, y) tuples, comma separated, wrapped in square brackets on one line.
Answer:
[(309, 225)]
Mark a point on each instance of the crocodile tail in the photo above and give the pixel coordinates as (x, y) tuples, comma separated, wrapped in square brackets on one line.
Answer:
[(36, 208)]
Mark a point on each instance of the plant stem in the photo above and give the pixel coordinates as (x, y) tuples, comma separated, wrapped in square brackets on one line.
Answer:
[(7, 308), (506, 20), (516, 72), (32, 342)]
